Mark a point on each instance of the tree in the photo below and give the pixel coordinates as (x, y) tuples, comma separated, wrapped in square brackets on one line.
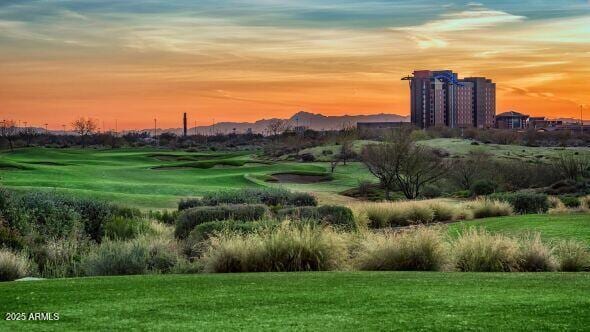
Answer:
[(400, 162), (8, 131), (84, 127), (572, 166), (465, 171), (277, 126)]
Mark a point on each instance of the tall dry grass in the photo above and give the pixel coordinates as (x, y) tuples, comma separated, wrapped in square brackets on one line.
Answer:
[(417, 249), (573, 256), (476, 250), (486, 208), (284, 248), (13, 265), (536, 256)]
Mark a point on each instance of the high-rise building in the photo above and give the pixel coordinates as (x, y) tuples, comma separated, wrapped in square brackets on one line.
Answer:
[(440, 98)]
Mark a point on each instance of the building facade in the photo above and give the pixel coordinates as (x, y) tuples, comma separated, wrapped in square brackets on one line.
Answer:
[(511, 120), (440, 98)]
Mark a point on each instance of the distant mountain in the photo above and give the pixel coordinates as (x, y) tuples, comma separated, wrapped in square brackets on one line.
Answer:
[(306, 119)]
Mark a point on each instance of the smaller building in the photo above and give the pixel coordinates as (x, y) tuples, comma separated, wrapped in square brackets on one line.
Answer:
[(540, 122), (511, 120)]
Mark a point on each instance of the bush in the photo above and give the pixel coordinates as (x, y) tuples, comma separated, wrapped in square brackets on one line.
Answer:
[(535, 256), (119, 228), (266, 196), (525, 202), (94, 214), (60, 258), (189, 203), (570, 201), (48, 214), (380, 215), (205, 230), (339, 216), (479, 251), (420, 249), (13, 265), (10, 238), (431, 191), (483, 187), (283, 249), (166, 217), (485, 208), (116, 258), (573, 256), (188, 219)]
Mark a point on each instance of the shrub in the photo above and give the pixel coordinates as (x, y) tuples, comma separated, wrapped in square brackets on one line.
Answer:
[(60, 258), (570, 201), (479, 251), (485, 208), (189, 203), (535, 256), (162, 254), (585, 202), (525, 202), (339, 216), (13, 265), (49, 214), (444, 212), (285, 248), (166, 217), (431, 191), (10, 238), (117, 258), (573, 256), (188, 219), (205, 230), (380, 215), (120, 228), (483, 187), (420, 249), (94, 214), (555, 203), (267, 196)]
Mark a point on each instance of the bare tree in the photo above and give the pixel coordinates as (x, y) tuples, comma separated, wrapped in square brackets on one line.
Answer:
[(572, 166), (465, 171), (277, 126), (8, 131), (400, 162), (84, 127)]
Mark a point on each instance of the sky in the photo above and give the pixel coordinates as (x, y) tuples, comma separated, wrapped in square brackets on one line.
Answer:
[(132, 61)]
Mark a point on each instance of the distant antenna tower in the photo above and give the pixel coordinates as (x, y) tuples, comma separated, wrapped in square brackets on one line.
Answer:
[(184, 125)]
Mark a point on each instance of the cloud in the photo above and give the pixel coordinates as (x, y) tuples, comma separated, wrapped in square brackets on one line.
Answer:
[(435, 33)]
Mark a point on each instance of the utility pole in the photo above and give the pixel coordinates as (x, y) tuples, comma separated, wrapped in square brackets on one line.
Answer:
[(195, 128), (184, 125), (581, 120), (116, 127), (46, 131), (64, 129)]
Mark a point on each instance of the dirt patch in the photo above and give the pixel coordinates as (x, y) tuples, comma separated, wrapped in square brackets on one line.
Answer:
[(299, 178)]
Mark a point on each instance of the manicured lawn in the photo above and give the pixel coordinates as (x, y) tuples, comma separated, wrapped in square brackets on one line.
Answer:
[(152, 179), (327, 301), (551, 227)]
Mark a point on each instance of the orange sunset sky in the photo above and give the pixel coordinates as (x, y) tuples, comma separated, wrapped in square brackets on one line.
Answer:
[(246, 60)]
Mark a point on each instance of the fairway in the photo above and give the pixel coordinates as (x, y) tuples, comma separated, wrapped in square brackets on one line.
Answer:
[(551, 227), (310, 301), (154, 178)]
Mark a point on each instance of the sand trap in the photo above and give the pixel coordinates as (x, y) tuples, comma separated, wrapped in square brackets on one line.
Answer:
[(299, 178)]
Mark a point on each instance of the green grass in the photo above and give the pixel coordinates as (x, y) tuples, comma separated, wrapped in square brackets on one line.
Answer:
[(459, 147), (152, 179), (328, 301), (551, 227)]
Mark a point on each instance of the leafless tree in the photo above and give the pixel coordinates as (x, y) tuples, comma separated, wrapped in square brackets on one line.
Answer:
[(8, 130), (278, 126), (400, 162), (572, 166), (465, 171), (84, 127)]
